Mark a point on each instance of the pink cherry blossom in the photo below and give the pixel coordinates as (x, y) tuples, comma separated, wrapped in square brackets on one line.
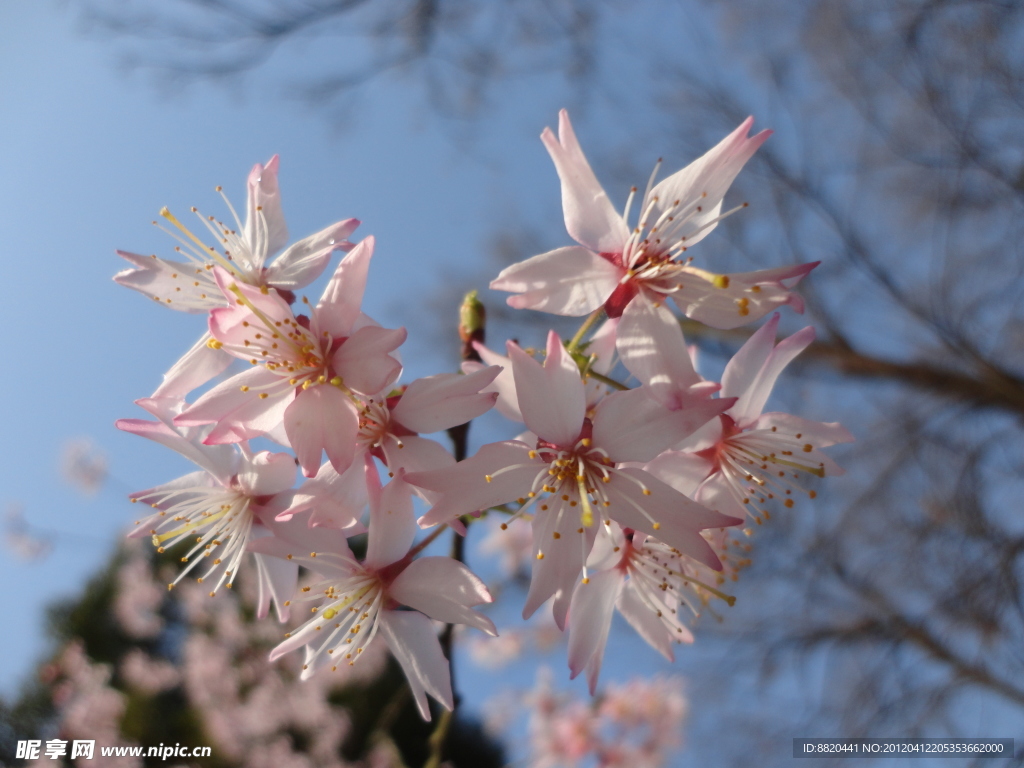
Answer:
[(308, 371), (636, 724), (390, 428), (574, 475), (649, 583), (242, 250), (218, 508), (746, 458), (615, 262), (361, 598)]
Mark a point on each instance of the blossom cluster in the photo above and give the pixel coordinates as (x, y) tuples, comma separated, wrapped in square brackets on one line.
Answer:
[(190, 657), (637, 724), (632, 493)]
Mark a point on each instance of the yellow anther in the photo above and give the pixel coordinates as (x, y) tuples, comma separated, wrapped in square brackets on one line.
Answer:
[(214, 344), (488, 478)]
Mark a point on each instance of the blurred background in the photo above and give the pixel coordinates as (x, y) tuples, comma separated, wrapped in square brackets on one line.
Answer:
[(890, 606)]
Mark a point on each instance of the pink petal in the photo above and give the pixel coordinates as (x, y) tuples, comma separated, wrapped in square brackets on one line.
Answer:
[(706, 179), (821, 434), (392, 525), (337, 499), (413, 643), (265, 229), (266, 474), (566, 281), (748, 296), (651, 345), (679, 519), (683, 471), (464, 488), (222, 399), (303, 261), (445, 590), (218, 461), (415, 454), (717, 493), (195, 368), (743, 368), (507, 403), (338, 309), (319, 419), (446, 400), (278, 581), (363, 361), (551, 396), (298, 638), (563, 557), (298, 539), (255, 418), (171, 283), (590, 618), (647, 624), (632, 426), (590, 217), (753, 399)]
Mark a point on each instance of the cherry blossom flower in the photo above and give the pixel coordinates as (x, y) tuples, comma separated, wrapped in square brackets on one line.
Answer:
[(218, 508), (575, 473), (242, 250), (745, 458), (358, 599), (308, 371), (635, 724), (615, 262), (648, 582)]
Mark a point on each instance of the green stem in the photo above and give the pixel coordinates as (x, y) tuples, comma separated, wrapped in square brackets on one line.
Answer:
[(606, 380), (587, 325), (437, 739)]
